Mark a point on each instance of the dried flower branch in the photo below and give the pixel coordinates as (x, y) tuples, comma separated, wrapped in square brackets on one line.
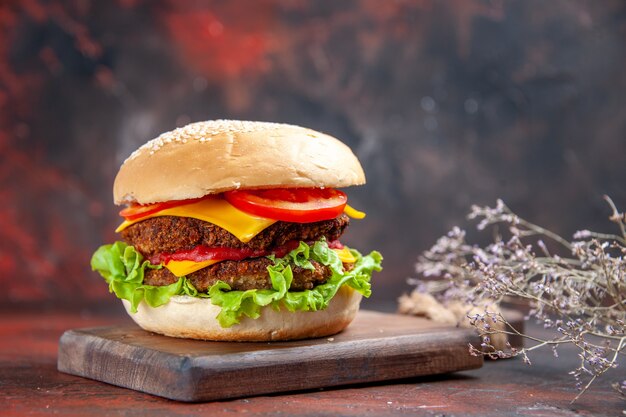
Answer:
[(581, 295)]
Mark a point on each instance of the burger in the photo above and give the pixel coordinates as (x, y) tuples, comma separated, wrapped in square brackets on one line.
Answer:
[(231, 231)]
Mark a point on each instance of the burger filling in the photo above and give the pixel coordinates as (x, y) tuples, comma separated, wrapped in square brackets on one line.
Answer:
[(171, 234), (161, 237), (285, 254)]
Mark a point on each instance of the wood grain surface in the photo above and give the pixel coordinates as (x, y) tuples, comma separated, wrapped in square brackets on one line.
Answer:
[(376, 347)]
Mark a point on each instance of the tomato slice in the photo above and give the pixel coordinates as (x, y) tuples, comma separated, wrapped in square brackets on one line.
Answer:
[(138, 211), (296, 205)]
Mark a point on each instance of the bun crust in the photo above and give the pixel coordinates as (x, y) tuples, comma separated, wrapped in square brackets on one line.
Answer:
[(221, 155), (194, 318)]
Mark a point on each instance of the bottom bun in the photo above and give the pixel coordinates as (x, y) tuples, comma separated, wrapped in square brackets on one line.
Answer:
[(194, 318)]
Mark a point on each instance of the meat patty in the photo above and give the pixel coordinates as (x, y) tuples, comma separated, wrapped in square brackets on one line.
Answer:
[(241, 275), (170, 234)]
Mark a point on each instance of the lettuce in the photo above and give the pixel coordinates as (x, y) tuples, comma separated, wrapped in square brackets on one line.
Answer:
[(123, 268)]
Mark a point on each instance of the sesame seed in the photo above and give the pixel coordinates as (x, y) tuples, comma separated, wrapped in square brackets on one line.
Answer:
[(205, 131)]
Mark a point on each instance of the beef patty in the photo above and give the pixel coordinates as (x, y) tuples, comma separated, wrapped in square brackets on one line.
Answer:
[(166, 234), (241, 275)]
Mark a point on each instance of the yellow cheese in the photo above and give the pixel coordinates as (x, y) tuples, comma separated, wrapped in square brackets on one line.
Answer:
[(352, 212), (345, 255), (181, 268), (219, 212)]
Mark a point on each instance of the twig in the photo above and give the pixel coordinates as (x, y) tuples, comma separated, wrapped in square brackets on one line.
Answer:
[(577, 294)]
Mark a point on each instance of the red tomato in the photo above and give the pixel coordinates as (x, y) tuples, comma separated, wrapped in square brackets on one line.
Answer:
[(296, 205), (138, 211)]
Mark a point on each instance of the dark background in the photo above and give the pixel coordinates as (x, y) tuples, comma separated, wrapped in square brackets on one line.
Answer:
[(446, 103)]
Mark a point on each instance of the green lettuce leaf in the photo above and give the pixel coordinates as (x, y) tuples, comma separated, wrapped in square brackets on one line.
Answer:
[(123, 268)]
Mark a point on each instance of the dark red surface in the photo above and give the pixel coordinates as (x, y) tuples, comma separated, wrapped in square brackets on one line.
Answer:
[(446, 103), (30, 385)]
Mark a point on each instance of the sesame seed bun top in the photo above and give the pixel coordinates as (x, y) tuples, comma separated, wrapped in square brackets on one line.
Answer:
[(220, 155)]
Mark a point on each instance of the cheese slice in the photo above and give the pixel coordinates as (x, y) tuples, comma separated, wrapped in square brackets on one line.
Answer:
[(182, 268), (217, 211), (345, 255), (354, 213)]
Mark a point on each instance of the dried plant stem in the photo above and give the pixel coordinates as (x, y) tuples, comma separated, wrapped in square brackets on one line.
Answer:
[(579, 294), (617, 217)]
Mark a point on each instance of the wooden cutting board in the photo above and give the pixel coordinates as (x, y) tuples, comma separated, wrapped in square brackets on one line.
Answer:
[(375, 347)]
